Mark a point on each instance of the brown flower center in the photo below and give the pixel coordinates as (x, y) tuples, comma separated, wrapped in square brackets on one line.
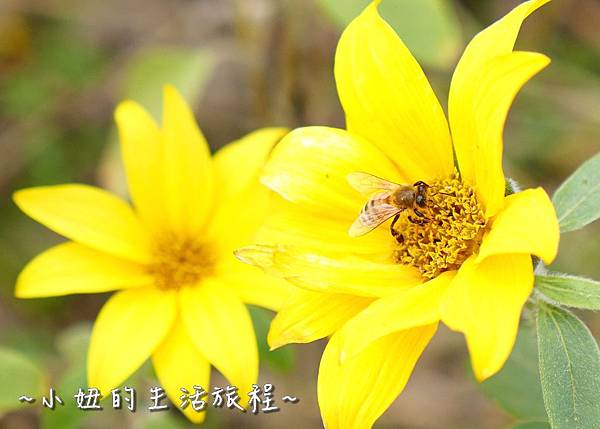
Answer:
[(180, 261), (450, 231)]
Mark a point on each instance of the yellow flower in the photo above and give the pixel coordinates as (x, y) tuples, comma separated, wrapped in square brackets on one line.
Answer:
[(467, 263), (183, 292)]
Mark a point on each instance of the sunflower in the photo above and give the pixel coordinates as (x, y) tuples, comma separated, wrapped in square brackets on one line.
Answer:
[(464, 257), (182, 293)]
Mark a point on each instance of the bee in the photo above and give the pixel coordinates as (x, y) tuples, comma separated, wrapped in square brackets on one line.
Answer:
[(387, 199)]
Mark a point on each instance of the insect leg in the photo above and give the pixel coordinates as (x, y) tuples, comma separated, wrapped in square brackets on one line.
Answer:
[(399, 237), (421, 215)]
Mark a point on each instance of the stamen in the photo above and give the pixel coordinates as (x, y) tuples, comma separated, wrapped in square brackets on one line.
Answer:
[(179, 261), (450, 232)]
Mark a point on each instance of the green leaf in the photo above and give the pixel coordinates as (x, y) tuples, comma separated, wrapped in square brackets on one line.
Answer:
[(429, 28), (67, 416), (569, 368), (163, 421), (18, 376), (282, 359), (517, 387), (149, 70), (576, 200), (532, 425), (569, 290), (72, 343)]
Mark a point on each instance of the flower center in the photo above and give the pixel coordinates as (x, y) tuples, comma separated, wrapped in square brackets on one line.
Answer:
[(179, 261), (450, 230)]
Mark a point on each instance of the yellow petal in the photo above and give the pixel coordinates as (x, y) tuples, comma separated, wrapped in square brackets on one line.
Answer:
[(236, 225), (221, 328), (187, 166), (406, 309), (246, 157), (89, 216), (178, 364), (338, 274), (310, 316), (310, 166), (253, 286), (290, 224), (485, 83), (242, 203), (72, 268), (484, 302), (527, 224), (354, 394), (128, 329), (388, 100), (141, 151)]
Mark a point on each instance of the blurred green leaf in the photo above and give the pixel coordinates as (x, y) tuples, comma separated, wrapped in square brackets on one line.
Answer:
[(61, 63), (67, 416), (149, 70), (576, 200), (163, 421), (569, 361), (569, 290), (532, 425), (429, 28), (73, 343), (282, 359), (18, 376), (517, 387)]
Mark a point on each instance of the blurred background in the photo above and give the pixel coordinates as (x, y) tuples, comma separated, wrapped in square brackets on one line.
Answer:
[(245, 64)]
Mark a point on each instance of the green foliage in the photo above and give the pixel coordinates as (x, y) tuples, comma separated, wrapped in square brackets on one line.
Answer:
[(532, 425), (72, 345), (148, 71), (282, 359), (63, 64), (569, 361), (429, 28), (569, 290), (517, 387), (577, 200), (18, 376), (163, 421), (67, 416)]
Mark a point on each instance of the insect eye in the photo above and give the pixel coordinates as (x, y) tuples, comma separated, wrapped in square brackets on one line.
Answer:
[(420, 200)]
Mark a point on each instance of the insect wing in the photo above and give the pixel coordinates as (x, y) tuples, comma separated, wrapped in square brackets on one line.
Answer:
[(366, 183), (373, 214)]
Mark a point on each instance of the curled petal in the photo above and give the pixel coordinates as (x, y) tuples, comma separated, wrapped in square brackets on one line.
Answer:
[(417, 306), (527, 224), (353, 394), (388, 100), (486, 81), (338, 274), (309, 316), (484, 302)]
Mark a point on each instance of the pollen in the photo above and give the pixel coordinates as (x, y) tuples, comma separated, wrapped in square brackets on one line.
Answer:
[(180, 261), (450, 231)]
